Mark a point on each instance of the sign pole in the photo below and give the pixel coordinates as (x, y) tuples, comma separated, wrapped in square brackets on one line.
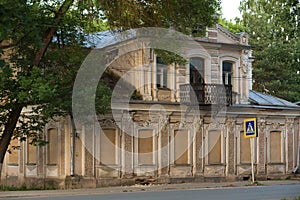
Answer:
[(252, 158), (250, 131)]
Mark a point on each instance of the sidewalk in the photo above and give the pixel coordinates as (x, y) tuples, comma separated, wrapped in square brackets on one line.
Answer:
[(138, 188)]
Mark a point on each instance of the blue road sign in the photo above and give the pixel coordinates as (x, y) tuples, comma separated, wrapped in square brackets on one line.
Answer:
[(250, 128)]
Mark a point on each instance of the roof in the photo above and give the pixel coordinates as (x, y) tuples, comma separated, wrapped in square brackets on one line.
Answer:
[(261, 99)]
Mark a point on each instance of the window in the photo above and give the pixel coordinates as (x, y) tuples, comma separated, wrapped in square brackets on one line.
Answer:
[(108, 147), (227, 72), (275, 147), (245, 149), (145, 147), (13, 157), (162, 73), (181, 147), (52, 151), (196, 70), (214, 147), (31, 153)]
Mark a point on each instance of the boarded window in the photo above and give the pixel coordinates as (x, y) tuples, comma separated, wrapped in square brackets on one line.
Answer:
[(275, 147), (181, 147), (108, 147), (52, 151), (13, 157), (31, 153), (214, 147), (145, 147), (245, 149)]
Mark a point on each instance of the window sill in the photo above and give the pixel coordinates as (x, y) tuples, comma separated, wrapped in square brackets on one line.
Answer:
[(182, 165), (109, 165), (215, 164), (13, 164), (31, 164), (244, 164), (276, 163), (146, 165), (51, 165)]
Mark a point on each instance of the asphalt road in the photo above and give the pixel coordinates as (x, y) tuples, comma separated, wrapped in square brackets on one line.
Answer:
[(263, 192)]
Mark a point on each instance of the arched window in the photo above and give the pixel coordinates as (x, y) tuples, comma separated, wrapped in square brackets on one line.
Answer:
[(227, 72), (196, 70)]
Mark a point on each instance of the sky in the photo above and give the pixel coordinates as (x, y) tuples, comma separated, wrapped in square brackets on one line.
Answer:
[(230, 9)]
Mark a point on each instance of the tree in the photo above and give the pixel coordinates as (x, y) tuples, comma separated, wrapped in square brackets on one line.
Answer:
[(274, 31), (37, 71), (234, 27)]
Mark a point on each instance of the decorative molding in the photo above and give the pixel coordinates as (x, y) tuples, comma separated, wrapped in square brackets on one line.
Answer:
[(197, 123), (127, 122), (276, 126), (51, 124), (215, 126), (178, 125), (145, 124), (108, 123), (246, 66)]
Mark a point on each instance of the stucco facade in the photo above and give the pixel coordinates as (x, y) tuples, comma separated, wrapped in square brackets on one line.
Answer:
[(165, 137)]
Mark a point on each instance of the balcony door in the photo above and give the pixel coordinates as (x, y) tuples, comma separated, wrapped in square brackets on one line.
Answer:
[(227, 72), (196, 71)]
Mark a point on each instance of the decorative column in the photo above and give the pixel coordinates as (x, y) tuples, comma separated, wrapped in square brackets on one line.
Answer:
[(198, 125), (163, 148), (127, 145), (290, 156), (231, 147), (261, 164)]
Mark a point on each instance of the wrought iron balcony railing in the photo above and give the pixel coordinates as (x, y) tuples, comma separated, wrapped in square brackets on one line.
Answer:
[(206, 94)]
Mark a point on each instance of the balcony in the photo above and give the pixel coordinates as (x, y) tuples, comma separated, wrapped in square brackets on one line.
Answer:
[(206, 94)]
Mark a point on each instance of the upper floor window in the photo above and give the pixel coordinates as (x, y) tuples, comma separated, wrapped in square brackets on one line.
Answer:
[(196, 70), (162, 73), (227, 72)]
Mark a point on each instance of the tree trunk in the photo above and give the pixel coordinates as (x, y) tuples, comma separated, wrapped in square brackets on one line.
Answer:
[(8, 132), (15, 112)]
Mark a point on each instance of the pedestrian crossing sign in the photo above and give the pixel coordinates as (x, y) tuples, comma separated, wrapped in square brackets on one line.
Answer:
[(250, 128)]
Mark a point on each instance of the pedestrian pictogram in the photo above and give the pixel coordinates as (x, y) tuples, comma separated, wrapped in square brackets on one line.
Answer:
[(250, 128)]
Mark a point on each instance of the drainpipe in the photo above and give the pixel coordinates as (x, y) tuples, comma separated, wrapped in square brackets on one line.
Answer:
[(73, 139)]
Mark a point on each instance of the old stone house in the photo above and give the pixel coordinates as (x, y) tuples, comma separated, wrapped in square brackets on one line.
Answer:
[(165, 136)]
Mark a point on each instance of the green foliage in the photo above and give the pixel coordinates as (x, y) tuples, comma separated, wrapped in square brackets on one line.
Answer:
[(170, 57), (274, 33), (184, 15), (236, 27), (44, 85)]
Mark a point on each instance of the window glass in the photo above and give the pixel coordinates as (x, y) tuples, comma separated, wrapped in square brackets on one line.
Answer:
[(227, 72), (162, 73), (196, 70)]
